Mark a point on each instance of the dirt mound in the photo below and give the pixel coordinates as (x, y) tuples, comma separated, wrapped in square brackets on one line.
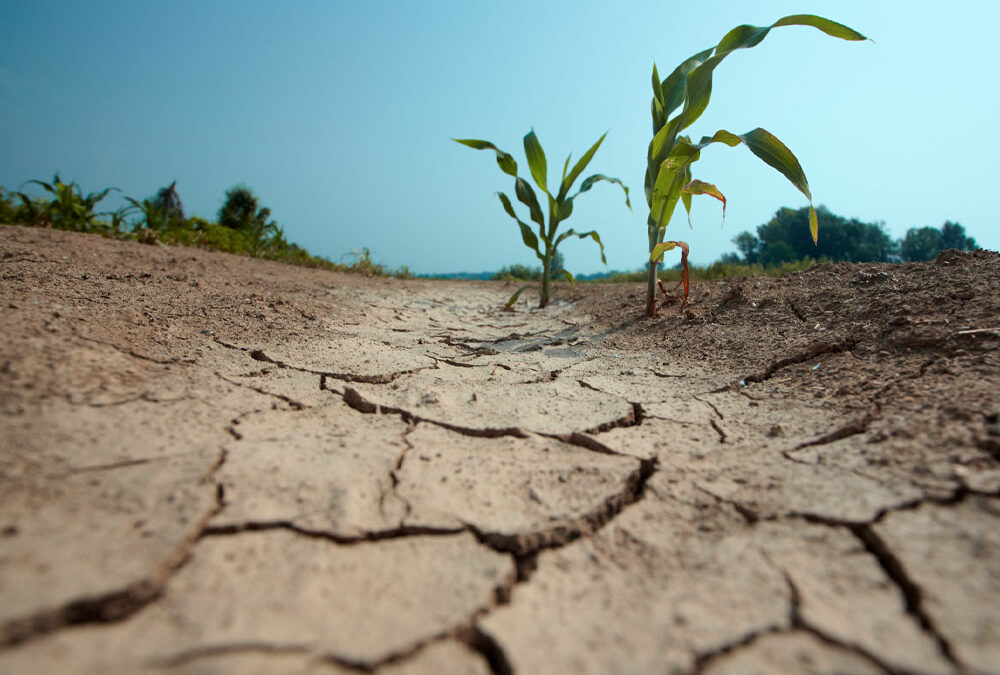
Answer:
[(215, 464)]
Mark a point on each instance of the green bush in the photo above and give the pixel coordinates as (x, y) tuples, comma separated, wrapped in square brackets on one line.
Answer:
[(518, 273), (68, 209)]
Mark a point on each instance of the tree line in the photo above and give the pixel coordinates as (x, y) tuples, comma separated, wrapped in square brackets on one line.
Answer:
[(785, 238)]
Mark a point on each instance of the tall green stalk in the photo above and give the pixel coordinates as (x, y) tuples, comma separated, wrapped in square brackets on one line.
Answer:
[(670, 155)]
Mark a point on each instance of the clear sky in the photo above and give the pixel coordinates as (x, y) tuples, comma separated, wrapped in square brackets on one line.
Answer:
[(339, 114)]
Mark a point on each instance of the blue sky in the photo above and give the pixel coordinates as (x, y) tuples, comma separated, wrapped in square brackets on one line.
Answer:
[(339, 114)]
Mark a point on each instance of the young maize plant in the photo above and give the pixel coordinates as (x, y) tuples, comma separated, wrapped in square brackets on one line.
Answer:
[(670, 156), (545, 242), (68, 209)]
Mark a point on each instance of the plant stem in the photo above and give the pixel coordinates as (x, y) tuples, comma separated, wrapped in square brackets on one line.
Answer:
[(651, 291), (546, 264)]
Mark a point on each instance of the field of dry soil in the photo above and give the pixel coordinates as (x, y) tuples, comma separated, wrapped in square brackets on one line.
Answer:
[(212, 464)]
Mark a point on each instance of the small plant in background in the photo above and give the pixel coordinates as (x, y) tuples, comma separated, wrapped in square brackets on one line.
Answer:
[(69, 208), (363, 263), (241, 211), (162, 217), (518, 272), (546, 241), (153, 217), (670, 156), (8, 209)]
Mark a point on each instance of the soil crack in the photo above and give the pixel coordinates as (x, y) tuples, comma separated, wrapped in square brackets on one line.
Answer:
[(486, 646), (131, 352), (292, 403), (528, 544), (816, 349), (382, 378), (748, 514), (799, 622), (208, 651), (912, 594), (400, 532), (397, 466), (120, 604), (355, 400)]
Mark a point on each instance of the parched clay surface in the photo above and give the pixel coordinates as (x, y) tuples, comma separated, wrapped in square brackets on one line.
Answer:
[(212, 465)]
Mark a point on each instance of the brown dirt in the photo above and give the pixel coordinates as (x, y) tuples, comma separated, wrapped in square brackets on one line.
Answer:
[(210, 464)]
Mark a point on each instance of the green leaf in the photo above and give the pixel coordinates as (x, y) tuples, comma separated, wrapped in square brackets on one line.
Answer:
[(831, 28), (813, 225), (686, 196), (761, 142), (45, 186), (583, 235), (699, 79), (527, 235), (657, 88), (597, 177), (659, 117), (674, 86), (569, 277), (536, 160), (529, 239), (563, 209), (527, 196), (517, 294), (766, 145), (504, 159), (578, 168), (566, 165), (657, 254), (93, 198), (666, 192)]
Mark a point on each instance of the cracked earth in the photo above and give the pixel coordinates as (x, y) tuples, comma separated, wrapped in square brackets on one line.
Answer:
[(210, 464)]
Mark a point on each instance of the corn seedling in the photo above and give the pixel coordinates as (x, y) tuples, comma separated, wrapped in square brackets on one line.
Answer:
[(69, 208), (670, 156), (546, 241)]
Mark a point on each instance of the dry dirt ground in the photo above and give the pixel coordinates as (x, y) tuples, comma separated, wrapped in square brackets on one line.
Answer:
[(210, 464)]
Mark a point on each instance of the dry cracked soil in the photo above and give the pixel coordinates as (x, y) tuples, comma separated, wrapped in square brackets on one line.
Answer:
[(212, 464)]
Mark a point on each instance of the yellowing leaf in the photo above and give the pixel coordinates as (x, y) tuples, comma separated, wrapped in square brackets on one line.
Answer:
[(697, 187)]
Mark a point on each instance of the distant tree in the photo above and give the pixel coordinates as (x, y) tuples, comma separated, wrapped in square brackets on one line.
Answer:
[(922, 243), (558, 263), (749, 246), (731, 258), (518, 272), (776, 253), (241, 211), (953, 236), (926, 243), (840, 238)]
